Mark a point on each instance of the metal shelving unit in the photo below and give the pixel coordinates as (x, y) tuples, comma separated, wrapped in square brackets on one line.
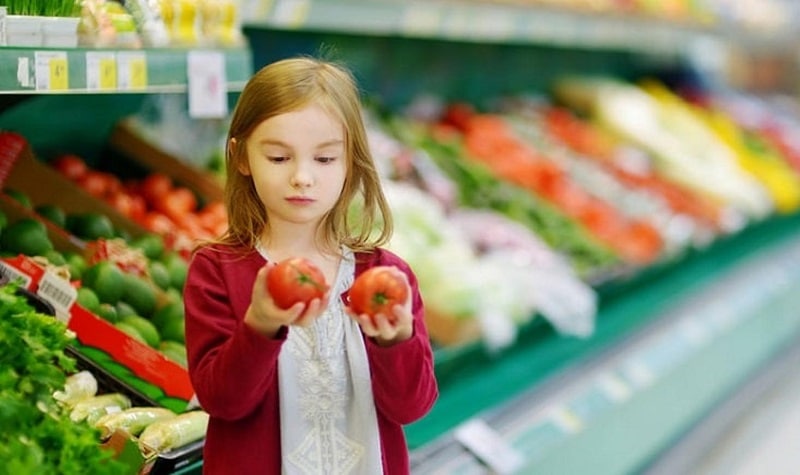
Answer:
[(503, 22)]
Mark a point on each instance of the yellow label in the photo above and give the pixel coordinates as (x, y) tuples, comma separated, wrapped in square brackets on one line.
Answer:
[(108, 73), (59, 74), (138, 73)]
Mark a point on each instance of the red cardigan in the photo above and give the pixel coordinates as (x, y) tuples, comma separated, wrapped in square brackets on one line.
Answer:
[(234, 370)]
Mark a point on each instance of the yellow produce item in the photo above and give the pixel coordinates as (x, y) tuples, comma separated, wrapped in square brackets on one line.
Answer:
[(755, 156)]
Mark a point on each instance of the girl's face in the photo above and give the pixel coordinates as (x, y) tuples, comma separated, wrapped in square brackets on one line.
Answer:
[(298, 164)]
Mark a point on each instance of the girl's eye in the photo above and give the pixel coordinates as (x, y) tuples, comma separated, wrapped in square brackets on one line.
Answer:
[(278, 159), (325, 159)]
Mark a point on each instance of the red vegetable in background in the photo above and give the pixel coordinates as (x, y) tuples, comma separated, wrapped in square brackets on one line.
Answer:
[(295, 279), (71, 166), (377, 290)]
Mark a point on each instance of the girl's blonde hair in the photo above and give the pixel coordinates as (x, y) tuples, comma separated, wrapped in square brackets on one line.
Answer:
[(285, 86)]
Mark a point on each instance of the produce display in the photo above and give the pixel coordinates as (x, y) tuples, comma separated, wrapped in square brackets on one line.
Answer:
[(38, 435), (506, 215)]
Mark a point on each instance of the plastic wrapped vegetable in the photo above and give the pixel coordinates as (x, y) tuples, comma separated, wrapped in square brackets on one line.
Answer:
[(132, 420), (79, 386), (168, 434), (93, 408)]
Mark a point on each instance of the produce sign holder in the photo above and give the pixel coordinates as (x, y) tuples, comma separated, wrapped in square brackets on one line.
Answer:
[(91, 330), (45, 185), (124, 139)]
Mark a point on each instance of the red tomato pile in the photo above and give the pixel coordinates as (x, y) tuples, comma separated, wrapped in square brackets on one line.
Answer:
[(378, 290), (295, 279), (155, 202)]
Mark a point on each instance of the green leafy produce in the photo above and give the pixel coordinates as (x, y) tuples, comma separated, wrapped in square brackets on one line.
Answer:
[(36, 436), (63, 8)]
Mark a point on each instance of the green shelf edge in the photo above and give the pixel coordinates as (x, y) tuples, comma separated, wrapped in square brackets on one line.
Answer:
[(166, 69)]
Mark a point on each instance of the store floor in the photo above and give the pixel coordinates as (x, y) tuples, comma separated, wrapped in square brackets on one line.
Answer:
[(756, 432)]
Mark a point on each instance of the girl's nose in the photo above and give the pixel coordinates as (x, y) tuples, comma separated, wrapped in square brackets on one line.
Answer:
[(301, 178)]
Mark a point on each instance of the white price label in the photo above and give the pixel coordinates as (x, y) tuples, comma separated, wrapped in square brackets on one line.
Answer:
[(567, 420), (131, 70), (52, 70), (614, 387), (59, 293), (487, 445), (291, 13), (421, 20), (101, 71), (10, 274), (208, 97)]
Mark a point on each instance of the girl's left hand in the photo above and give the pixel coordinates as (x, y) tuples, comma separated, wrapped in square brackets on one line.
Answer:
[(387, 330)]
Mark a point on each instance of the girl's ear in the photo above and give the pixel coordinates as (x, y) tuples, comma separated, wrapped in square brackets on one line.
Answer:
[(242, 165)]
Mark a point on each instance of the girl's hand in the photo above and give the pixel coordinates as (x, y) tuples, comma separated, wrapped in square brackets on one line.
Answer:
[(264, 316), (388, 331)]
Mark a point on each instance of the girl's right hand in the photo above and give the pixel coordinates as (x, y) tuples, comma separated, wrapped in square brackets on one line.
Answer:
[(264, 316)]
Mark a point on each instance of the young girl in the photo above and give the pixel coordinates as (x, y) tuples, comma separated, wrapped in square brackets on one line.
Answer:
[(313, 389)]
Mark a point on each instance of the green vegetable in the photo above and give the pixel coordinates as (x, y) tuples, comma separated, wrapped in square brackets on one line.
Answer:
[(63, 8), (36, 437)]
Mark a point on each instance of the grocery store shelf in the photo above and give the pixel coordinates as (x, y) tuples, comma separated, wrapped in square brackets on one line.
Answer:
[(609, 409), (90, 70), (753, 432), (489, 22), (472, 21)]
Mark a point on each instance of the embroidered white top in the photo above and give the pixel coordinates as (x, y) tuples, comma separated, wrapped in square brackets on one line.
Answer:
[(328, 418)]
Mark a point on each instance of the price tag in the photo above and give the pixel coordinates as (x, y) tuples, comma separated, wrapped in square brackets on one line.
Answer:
[(51, 70), (3, 37), (487, 445), (24, 72), (422, 20), (638, 374), (291, 13), (207, 84), (614, 387), (255, 8), (131, 70), (495, 25), (567, 420), (59, 293), (9, 273), (101, 71)]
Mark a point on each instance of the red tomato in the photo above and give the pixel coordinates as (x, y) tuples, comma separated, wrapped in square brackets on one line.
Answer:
[(154, 187), (176, 202), (295, 279), (71, 166), (377, 290), (99, 184)]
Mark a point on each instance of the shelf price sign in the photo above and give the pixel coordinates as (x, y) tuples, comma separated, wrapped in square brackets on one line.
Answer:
[(51, 70), (207, 84), (131, 70), (101, 71)]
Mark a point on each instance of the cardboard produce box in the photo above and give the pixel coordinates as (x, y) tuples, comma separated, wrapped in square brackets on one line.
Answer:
[(45, 185), (125, 140)]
